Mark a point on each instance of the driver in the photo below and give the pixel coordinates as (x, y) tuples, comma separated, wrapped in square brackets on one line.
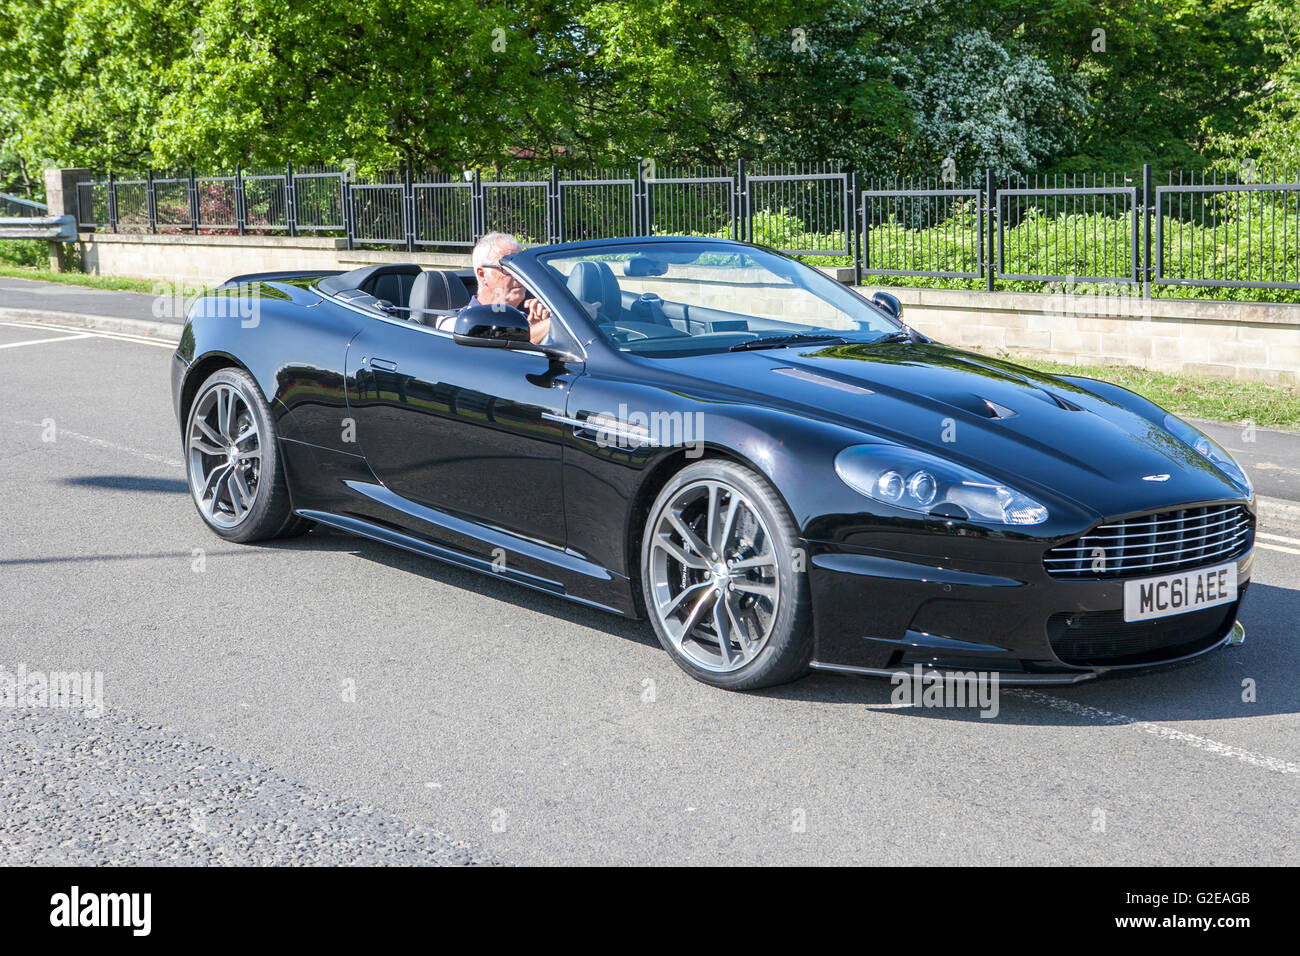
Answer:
[(498, 287)]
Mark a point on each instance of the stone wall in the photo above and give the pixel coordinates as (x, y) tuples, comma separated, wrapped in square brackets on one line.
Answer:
[(185, 259), (1238, 340)]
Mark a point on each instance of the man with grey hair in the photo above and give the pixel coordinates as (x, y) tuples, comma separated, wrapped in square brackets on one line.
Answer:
[(498, 287)]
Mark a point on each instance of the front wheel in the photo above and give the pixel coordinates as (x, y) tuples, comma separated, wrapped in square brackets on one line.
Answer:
[(233, 463), (722, 580)]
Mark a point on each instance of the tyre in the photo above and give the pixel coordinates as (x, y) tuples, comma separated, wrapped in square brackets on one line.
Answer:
[(722, 583), (232, 460)]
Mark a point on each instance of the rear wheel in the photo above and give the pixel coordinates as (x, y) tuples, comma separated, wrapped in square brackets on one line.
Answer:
[(233, 463), (724, 590)]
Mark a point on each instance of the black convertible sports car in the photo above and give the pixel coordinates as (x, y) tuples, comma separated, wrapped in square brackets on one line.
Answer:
[(774, 469)]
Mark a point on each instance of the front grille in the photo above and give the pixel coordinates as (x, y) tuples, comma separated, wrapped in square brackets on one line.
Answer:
[(1161, 543), (1104, 637)]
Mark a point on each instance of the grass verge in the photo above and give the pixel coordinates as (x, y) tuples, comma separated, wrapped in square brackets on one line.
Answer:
[(117, 283), (1197, 396)]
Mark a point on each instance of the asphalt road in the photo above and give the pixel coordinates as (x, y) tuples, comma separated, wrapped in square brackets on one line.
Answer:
[(78, 300), (329, 698)]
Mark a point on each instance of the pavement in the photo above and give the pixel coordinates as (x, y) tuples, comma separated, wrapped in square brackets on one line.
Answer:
[(110, 789), (328, 699)]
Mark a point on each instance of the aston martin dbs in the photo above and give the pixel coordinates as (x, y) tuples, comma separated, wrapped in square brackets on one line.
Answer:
[(772, 467)]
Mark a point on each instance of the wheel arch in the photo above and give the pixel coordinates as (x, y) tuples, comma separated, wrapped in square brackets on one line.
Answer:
[(199, 372)]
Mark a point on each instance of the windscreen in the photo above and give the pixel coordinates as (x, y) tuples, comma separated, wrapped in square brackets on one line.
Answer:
[(692, 297)]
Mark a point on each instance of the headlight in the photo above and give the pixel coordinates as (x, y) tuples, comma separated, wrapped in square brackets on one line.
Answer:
[(1210, 450), (929, 485)]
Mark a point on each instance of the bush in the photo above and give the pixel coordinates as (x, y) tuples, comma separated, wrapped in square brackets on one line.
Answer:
[(25, 252), (1244, 238)]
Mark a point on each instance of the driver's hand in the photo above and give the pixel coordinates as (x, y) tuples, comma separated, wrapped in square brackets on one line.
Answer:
[(539, 321)]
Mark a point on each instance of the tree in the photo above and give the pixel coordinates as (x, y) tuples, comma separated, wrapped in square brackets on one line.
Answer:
[(81, 82), (1272, 134), (419, 82), (1162, 77), (891, 86)]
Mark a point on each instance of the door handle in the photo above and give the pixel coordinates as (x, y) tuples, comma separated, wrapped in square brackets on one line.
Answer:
[(384, 364)]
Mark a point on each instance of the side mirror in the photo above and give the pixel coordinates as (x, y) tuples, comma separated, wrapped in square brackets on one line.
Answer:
[(642, 266), (888, 302), (491, 326), (502, 327)]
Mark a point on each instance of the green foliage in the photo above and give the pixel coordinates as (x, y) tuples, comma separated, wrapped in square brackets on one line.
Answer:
[(784, 230), (1197, 396), (1271, 135), (42, 274), (898, 86), (1163, 76), (24, 252), (894, 87), (1245, 237)]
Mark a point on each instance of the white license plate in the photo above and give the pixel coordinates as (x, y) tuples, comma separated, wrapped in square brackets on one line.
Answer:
[(1149, 598)]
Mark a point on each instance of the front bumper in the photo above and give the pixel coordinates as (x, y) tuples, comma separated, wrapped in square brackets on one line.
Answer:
[(877, 612)]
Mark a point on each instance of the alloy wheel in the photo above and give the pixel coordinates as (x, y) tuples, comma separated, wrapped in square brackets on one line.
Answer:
[(714, 579), (225, 455)]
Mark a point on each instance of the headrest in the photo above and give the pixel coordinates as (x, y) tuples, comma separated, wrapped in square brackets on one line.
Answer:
[(436, 293), (593, 283)]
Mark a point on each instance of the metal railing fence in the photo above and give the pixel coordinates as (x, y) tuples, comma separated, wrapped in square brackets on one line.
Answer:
[(1206, 230)]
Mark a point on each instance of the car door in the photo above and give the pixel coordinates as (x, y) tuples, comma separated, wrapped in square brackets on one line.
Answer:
[(463, 431)]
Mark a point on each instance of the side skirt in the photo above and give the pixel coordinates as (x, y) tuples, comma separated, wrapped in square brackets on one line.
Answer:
[(384, 535)]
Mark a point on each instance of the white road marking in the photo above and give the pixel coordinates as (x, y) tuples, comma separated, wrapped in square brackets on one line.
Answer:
[(101, 443), (1278, 537), (61, 338), (1277, 547), (891, 706), (1164, 733), (82, 332)]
